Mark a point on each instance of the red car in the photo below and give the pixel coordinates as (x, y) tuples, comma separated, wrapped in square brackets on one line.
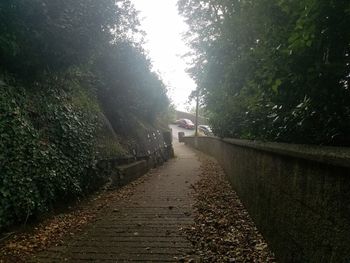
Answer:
[(185, 123)]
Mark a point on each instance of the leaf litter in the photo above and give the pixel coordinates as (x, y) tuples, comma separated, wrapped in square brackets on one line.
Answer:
[(223, 230), (58, 228)]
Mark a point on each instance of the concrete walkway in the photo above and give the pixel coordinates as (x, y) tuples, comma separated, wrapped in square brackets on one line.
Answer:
[(146, 227)]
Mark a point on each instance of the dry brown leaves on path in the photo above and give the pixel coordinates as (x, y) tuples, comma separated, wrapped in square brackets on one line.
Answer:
[(223, 230), (56, 229)]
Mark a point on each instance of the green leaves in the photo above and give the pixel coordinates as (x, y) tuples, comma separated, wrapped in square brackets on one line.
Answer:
[(268, 53), (42, 163), (129, 85), (67, 60), (43, 35), (276, 85)]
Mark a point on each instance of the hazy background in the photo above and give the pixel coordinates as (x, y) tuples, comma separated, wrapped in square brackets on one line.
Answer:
[(164, 41)]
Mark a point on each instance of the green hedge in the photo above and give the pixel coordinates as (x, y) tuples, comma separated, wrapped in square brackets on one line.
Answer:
[(46, 150)]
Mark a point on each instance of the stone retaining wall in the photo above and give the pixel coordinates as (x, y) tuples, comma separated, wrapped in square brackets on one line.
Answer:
[(298, 196), (118, 172)]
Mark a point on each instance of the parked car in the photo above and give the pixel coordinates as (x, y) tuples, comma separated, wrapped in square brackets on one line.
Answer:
[(205, 129), (185, 123)]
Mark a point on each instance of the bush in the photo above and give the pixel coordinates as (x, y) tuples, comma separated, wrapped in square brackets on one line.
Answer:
[(47, 146)]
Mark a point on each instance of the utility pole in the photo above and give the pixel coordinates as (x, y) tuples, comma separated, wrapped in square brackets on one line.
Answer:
[(197, 108)]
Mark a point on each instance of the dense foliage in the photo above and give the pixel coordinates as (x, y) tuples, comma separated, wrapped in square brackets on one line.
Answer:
[(139, 91), (40, 165), (273, 69), (44, 35), (63, 65)]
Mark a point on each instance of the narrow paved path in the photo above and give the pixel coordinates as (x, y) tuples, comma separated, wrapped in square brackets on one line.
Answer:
[(145, 227)]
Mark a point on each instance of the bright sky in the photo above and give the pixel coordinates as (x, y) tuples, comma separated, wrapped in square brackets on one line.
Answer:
[(164, 27)]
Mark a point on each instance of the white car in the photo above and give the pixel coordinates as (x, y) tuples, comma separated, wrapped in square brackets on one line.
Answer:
[(205, 129)]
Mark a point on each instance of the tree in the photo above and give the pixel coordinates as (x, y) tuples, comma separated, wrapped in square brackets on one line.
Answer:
[(47, 36), (273, 70), (63, 65), (127, 83)]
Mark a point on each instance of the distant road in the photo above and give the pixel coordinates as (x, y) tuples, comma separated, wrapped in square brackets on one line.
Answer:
[(177, 129)]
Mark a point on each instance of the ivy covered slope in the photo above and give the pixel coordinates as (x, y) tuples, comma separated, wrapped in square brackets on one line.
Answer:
[(70, 74), (273, 70)]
